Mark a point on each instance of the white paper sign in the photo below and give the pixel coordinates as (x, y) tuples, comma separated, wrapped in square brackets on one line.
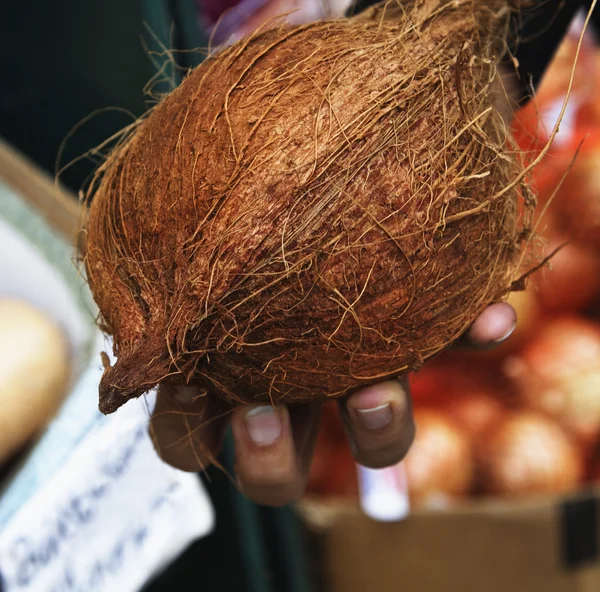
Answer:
[(110, 518)]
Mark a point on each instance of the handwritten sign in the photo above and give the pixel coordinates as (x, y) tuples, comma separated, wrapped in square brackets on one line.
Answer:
[(112, 516)]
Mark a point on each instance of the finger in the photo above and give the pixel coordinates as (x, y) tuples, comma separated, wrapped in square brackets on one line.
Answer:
[(379, 423), (272, 455), (493, 326), (187, 427)]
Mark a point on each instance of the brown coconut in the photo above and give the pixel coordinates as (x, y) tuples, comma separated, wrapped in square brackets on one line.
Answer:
[(314, 209)]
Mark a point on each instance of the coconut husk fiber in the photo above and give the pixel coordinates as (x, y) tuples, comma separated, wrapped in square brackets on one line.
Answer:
[(313, 209)]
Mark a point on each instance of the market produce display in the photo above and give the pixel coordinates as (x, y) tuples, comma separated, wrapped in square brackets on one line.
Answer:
[(527, 453), (441, 459), (530, 410), (314, 209), (34, 373)]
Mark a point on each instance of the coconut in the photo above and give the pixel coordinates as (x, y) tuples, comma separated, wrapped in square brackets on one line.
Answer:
[(314, 209)]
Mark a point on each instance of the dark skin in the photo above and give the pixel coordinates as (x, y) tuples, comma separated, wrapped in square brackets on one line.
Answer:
[(274, 445)]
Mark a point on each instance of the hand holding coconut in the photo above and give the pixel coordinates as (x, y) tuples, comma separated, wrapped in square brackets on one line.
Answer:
[(315, 211), (274, 445)]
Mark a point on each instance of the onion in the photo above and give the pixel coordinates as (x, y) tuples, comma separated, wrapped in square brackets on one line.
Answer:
[(558, 373), (315, 209), (527, 453), (578, 201), (573, 280), (452, 374), (440, 462), (533, 124), (34, 372), (436, 382), (476, 412)]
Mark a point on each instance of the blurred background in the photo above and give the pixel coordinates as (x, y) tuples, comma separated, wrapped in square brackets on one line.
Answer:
[(504, 474)]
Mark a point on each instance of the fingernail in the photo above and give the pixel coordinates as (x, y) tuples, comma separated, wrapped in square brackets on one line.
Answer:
[(264, 425), (507, 334), (375, 418)]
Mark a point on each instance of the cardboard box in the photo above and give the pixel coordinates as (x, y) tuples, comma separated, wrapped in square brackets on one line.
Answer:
[(542, 545)]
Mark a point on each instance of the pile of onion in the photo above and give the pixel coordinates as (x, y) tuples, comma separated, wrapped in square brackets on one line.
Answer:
[(572, 280), (558, 374), (529, 409), (314, 209)]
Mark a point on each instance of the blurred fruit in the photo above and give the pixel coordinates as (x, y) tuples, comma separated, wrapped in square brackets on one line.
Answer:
[(578, 200), (475, 412), (451, 374), (440, 462), (527, 129), (573, 280), (430, 385), (527, 453), (558, 373)]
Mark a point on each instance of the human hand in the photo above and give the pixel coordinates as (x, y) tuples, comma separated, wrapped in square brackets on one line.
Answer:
[(274, 445)]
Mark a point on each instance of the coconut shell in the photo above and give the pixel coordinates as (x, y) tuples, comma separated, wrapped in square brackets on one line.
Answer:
[(313, 209)]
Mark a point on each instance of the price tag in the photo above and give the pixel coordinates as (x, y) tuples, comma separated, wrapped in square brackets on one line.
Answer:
[(110, 518)]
